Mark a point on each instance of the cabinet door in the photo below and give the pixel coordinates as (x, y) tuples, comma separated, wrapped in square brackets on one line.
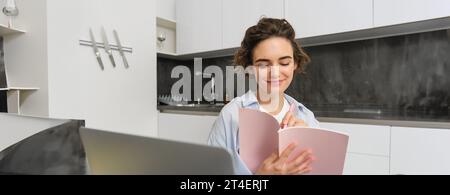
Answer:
[(361, 164), (388, 12), (420, 151), (186, 128), (364, 139), (239, 15), (321, 17), (368, 150), (199, 25), (165, 9)]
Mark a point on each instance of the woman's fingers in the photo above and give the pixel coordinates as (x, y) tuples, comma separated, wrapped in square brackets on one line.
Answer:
[(302, 157), (303, 166), (304, 171), (285, 154), (300, 123), (268, 165), (292, 122), (300, 161), (287, 118), (278, 164), (271, 158), (282, 160)]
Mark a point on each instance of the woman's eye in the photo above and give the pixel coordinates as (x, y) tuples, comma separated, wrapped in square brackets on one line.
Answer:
[(285, 63)]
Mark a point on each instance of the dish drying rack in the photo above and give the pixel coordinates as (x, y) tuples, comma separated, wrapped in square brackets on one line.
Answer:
[(172, 100)]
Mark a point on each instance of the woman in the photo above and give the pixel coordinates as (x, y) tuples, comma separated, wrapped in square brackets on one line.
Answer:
[(270, 48)]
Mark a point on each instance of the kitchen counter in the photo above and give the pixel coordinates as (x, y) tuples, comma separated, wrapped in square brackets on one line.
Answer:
[(388, 118), (210, 110)]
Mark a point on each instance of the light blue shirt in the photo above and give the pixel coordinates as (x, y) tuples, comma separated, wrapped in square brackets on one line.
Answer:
[(225, 131)]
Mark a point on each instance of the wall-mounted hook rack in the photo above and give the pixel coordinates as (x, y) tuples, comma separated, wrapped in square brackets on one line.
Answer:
[(101, 45), (108, 48)]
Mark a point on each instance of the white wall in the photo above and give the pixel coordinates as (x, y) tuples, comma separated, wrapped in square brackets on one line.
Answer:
[(26, 56), (121, 100), (71, 83), (65, 21), (166, 9)]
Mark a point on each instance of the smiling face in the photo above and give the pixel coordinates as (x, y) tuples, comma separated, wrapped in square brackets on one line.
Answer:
[(273, 60)]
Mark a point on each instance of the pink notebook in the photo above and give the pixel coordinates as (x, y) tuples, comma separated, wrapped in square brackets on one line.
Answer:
[(260, 136)]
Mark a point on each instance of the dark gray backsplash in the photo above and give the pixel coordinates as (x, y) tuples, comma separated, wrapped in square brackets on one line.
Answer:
[(165, 66), (3, 83), (408, 73), (3, 102)]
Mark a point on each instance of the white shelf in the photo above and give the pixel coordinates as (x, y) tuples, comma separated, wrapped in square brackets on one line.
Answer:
[(4, 30), (15, 97), (170, 24), (205, 55)]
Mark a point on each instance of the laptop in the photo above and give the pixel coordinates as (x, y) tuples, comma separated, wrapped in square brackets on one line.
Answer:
[(119, 154)]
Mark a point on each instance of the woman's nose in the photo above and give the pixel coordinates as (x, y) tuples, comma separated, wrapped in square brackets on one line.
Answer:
[(274, 71)]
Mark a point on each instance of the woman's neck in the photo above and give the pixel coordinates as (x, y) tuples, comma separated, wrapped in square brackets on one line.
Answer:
[(272, 103)]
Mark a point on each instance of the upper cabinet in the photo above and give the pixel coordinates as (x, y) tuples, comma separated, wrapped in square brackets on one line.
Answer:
[(388, 12), (207, 25), (239, 15), (321, 17), (199, 25), (166, 9)]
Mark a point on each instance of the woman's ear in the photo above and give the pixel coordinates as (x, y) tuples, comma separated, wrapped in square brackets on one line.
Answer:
[(295, 67)]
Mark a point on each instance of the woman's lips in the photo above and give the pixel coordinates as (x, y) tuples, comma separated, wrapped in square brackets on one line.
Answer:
[(275, 82)]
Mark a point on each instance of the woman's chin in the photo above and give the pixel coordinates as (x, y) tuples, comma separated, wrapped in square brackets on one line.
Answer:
[(275, 85), (270, 89)]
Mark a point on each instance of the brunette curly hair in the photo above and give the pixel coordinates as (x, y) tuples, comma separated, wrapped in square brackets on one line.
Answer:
[(265, 29)]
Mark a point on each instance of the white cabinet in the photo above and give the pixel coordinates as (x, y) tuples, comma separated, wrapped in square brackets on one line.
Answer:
[(199, 25), (362, 164), (420, 151), (368, 150), (15, 98), (389, 12), (239, 15), (364, 139), (166, 9), (321, 17), (185, 128)]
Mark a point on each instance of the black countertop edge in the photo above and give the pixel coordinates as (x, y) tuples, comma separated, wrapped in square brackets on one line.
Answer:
[(395, 121), (214, 110)]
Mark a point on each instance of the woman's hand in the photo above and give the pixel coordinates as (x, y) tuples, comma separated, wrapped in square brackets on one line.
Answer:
[(279, 165), (291, 121)]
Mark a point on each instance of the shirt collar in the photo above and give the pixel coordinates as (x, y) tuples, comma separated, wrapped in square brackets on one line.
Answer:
[(250, 101)]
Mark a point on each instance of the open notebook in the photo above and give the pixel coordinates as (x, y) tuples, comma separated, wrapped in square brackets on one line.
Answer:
[(260, 136)]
